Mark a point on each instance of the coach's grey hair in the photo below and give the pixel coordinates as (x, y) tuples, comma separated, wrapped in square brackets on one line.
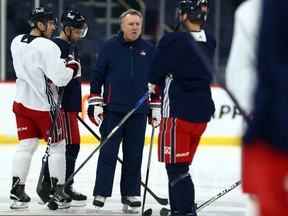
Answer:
[(130, 11)]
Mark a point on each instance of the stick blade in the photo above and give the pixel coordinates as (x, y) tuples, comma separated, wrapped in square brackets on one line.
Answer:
[(163, 201), (42, 190), (148, 212), (164, 212)]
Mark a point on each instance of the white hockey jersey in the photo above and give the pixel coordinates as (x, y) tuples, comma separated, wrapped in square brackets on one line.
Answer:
[(241, 75), (39, 69)]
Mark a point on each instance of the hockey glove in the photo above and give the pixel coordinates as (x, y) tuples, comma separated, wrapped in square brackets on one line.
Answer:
[(155, 112), (95, 109), (75, 66), (154, 88)]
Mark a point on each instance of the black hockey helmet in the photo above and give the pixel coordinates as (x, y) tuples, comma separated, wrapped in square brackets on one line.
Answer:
[(74, 19), (41, 14), (193, 10)]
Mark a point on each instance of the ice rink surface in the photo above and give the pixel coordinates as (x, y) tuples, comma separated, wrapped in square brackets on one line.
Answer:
[(215, 168)]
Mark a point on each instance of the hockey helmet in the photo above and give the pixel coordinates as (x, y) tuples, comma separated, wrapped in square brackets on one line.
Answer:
[(74, 19), (41, 15), (193, 9)]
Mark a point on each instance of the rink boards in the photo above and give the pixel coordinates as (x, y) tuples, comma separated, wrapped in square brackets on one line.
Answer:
[(225, 127)]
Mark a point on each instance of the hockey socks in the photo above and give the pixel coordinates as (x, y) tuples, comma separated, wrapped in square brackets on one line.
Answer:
[(181, 189), (72, 151)]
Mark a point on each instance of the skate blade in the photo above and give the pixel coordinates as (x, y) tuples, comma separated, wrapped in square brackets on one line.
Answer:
[(98, 210), (129, 209), (18, 205), (62, 205), (78, 203), (40, 202)]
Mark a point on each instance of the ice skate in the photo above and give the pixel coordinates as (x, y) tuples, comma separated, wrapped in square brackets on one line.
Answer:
[(99, 202), (19, 198), (168, 212), (193, 210), (62, 199), (78, 199), (130, 204)]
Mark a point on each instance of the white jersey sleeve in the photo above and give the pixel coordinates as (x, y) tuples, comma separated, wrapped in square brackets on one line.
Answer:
[(39, 69), (53, 66), (241, 76)]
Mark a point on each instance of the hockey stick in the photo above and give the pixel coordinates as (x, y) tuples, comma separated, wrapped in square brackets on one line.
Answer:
[(123, 120), (42, 192), (218, 195), (166, 212), (147, 212), (161, 201)]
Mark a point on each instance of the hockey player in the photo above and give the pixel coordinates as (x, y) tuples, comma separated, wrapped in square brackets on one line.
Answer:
[(121, 67), (180, 72), (74, 28), (241, 77), (241, 73), (39, 69), (265, 148)]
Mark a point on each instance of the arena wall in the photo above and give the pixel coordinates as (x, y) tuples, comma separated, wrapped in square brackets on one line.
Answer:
[(225, 127)]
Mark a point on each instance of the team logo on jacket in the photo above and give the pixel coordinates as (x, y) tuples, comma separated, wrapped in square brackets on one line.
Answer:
[(142, 52)]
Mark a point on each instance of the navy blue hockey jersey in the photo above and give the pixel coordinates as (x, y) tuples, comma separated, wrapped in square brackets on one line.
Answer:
[(270, 118), (72, 98), (182, 76)]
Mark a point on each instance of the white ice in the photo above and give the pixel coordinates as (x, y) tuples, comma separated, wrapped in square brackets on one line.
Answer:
[(215, 168)]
